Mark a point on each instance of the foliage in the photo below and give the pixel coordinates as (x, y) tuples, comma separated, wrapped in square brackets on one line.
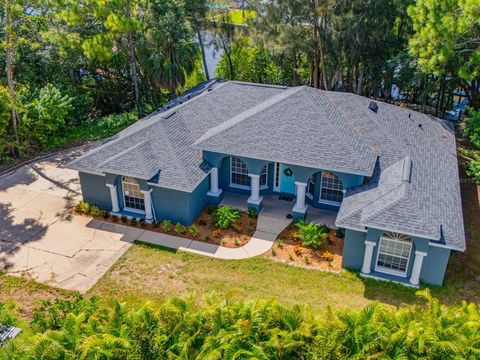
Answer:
[(327, 256), (180, 229), (225, 216), (44, 117), (474, 169), (83, 207), (340, 232), (166, 225), (133, 221), (257, 329), (94, 211), (193, 230), (252, 213), (312, 235), (472, 127)]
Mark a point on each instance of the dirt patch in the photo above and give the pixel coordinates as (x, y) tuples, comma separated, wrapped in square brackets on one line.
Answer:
[(288, 248)]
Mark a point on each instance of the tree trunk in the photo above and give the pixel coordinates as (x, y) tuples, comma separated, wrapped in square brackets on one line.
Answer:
[(361, 74), (202, 49), (294, 68), (322, 67), (133, 66), (9, 63)]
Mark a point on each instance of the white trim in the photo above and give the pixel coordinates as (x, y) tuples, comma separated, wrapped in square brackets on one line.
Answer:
[(370, 276), (329, 202), (398, 273), (136, 211), (310, 196)]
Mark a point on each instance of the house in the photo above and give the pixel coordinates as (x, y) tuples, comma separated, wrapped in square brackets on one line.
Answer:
[(391, 174)]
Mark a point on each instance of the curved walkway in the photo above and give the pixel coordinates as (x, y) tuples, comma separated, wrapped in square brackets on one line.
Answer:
[(268, 229)]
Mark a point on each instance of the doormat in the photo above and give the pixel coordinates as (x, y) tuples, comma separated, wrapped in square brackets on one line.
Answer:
[(285, 197)]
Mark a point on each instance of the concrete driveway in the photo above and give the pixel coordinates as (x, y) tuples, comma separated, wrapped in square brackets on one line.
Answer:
[(39, 237)]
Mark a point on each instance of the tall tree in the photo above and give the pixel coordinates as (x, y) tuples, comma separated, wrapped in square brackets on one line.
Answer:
[(447, 41), (196, 11)]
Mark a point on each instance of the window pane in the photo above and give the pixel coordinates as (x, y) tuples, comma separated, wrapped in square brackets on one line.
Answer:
[(394, 251), (132, 195), (331, 188), (263, 176)]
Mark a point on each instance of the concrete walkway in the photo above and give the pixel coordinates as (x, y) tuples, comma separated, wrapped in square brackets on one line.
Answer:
[(268, 228)]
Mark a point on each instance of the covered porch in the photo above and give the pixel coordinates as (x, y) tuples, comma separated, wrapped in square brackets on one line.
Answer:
[(280, 206)]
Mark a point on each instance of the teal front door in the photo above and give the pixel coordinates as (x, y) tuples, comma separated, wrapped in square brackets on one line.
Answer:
[(287, 180)]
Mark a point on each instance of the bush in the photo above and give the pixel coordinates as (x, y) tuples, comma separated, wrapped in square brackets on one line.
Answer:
[(166, 225), (252, 213), (193, 230), (106, 214), (143, 222), (123, 219), (473, 169), (327, 256), (133, 221), (180, 229), (95, 211), (83, 207), (225, 216), (114, 218), (312, 235)]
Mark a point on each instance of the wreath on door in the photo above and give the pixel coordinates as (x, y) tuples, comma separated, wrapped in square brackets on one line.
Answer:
[(288, 172)]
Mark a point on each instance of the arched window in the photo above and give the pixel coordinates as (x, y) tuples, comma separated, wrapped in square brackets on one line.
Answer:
[(132, 195), (331, 188), (394, 253), (239, 173)]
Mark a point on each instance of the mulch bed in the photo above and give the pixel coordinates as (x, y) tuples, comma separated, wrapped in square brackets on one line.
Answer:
[(289, 249), (207, 232)]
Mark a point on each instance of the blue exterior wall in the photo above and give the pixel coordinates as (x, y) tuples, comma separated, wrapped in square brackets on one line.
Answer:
[(433, 268), (95, 190)]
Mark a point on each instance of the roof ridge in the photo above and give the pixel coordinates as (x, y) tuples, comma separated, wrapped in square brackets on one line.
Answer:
[(246, 114), (122, 152)]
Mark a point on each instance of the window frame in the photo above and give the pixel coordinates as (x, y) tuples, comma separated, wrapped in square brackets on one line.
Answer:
[(263, 174), (326, 201), (125, 207), (311, 181), (397, 237)]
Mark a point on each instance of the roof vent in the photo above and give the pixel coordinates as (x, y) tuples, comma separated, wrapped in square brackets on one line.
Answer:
[(407, 169), (373, 106), (420, 126)]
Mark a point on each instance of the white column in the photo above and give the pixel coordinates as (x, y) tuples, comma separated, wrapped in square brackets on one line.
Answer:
[(417, 267), (367, 258), (255, 197), (114, 198), (147, 195), (214, 190), (300, 206)]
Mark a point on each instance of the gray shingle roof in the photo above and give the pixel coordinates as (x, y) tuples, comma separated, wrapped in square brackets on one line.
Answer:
[(309, 127)]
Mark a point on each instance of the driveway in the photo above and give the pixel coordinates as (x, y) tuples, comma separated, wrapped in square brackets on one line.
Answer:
[(39, 237)]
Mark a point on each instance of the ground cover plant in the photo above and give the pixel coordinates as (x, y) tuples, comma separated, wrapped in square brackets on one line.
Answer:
[(180, 328)]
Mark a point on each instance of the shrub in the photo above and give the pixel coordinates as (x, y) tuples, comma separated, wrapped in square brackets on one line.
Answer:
[(106, 214), (473, 169), (280, 243), (83, 207), (327, 256), (306, 260), (274, 253), (340, 232), (143, 222), (123, 219), (252, 213), (236, 242), (193, 230), (166, 225), (472, 127), (114, 218), (237, 228), (95, 211), (225, 216), (133, 221), (180, 229), (312, 235), (207, 238), (217, 233)]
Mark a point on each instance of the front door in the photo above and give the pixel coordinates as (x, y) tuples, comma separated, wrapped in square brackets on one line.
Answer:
[(287, 180)]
